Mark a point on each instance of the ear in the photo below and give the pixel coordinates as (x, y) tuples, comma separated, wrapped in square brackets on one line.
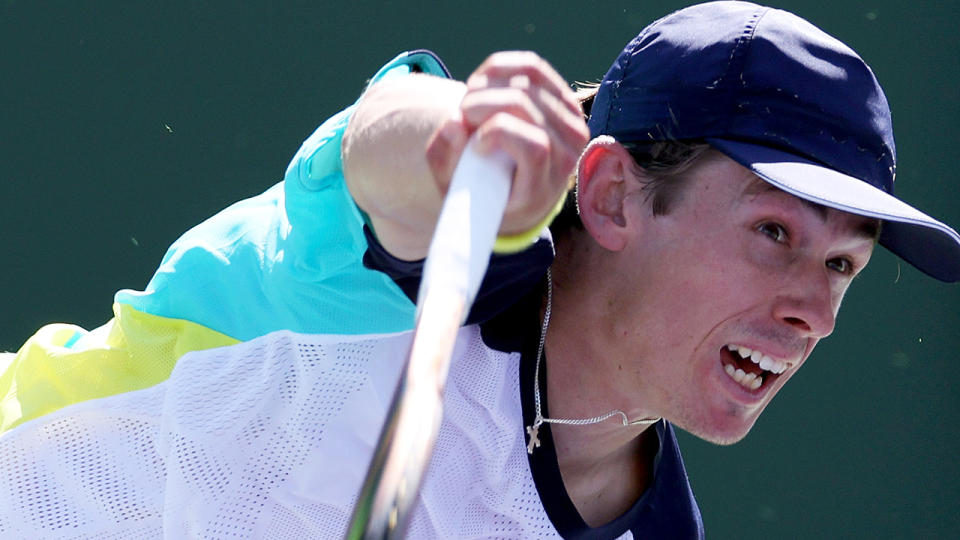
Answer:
[(602, 186)]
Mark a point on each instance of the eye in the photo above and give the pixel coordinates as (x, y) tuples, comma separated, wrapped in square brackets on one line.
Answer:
[(776, 232), (841, 264)]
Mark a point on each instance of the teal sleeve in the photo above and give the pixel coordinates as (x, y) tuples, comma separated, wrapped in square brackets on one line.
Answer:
[(288, 259)]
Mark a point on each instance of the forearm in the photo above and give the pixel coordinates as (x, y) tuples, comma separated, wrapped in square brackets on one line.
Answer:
[(407, 134)]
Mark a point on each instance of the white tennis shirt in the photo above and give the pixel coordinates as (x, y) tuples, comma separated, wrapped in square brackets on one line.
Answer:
[(271, 439)]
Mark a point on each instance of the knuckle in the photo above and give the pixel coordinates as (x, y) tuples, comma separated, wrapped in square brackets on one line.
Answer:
[(476, 80), (499, 121), (515, 56), (515, 96), (521, 62)]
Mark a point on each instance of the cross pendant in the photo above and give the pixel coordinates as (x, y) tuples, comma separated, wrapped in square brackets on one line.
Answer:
[(534, 441)]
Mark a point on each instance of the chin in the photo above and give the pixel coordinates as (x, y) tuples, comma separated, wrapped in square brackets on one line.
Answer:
[(722, 440), (724, 433)]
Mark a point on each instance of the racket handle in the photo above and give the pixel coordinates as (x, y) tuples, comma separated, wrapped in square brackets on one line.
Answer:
[(456, 263), (467, 227)]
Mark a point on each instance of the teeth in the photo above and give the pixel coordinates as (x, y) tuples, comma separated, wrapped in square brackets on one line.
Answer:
[(746, 380), (752, 380), (765, 362)]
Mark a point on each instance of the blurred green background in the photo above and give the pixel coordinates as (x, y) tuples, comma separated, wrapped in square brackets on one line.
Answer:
[(122, 124)]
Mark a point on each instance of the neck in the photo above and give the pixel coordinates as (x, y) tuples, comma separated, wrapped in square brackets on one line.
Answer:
[(603, 483), (605, 466)]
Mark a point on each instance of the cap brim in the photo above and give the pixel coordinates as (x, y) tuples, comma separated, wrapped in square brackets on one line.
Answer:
[(931, 246)]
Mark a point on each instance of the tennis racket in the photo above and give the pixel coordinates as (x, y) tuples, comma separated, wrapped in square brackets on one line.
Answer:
[(455, 265)]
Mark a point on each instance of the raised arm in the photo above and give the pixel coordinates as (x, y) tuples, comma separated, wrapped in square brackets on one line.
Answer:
[(407, 133)]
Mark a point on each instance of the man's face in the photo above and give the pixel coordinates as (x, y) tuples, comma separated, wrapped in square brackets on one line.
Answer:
[(720, 301)]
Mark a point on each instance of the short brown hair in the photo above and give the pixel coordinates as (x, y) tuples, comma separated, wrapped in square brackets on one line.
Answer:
[(660, 163)]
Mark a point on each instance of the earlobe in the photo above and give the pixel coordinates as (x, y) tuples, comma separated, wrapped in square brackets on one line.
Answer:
[(602, 188)]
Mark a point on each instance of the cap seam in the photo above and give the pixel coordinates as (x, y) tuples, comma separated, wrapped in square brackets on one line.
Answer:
[(615, 91), (745, 40)]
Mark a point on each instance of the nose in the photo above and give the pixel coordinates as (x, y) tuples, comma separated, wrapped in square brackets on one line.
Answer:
[(808, 304)]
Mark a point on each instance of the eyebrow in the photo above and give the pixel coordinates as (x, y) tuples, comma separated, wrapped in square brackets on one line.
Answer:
[(870, 228)]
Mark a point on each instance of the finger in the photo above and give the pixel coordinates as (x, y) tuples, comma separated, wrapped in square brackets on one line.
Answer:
[(478, 106), (535, 105), (443, 151), (479, 81), (505, 66), (557, 103), (561, 113), (542, 170), (566, 127)]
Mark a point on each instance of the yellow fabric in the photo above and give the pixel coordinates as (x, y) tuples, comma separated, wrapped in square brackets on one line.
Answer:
[(134, 350)]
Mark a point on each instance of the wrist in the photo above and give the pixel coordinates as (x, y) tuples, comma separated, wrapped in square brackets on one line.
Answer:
[(513, 243)]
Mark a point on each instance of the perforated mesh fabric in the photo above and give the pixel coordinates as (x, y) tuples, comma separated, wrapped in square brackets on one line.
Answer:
[(64, 364), (270, 438)]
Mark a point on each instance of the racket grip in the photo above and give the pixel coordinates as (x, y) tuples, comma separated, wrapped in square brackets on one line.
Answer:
[(468, 223), (456, 262)]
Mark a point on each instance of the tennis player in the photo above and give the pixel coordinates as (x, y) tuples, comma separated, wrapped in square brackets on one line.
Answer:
[(733, 176)]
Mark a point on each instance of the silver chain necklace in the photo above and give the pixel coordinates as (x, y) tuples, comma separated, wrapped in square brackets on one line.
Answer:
[(538, 420)]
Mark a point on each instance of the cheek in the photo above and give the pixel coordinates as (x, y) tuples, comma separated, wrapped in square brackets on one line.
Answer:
[(839, 292), (677, 290)]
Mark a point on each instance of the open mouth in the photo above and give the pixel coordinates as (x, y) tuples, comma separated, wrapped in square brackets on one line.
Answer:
[(749, 368)]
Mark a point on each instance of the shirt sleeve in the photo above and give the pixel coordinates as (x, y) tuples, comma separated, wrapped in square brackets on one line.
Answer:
[(289, 259)]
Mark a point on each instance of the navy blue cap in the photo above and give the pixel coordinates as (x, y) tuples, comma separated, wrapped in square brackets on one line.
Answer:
[(782, 98)]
